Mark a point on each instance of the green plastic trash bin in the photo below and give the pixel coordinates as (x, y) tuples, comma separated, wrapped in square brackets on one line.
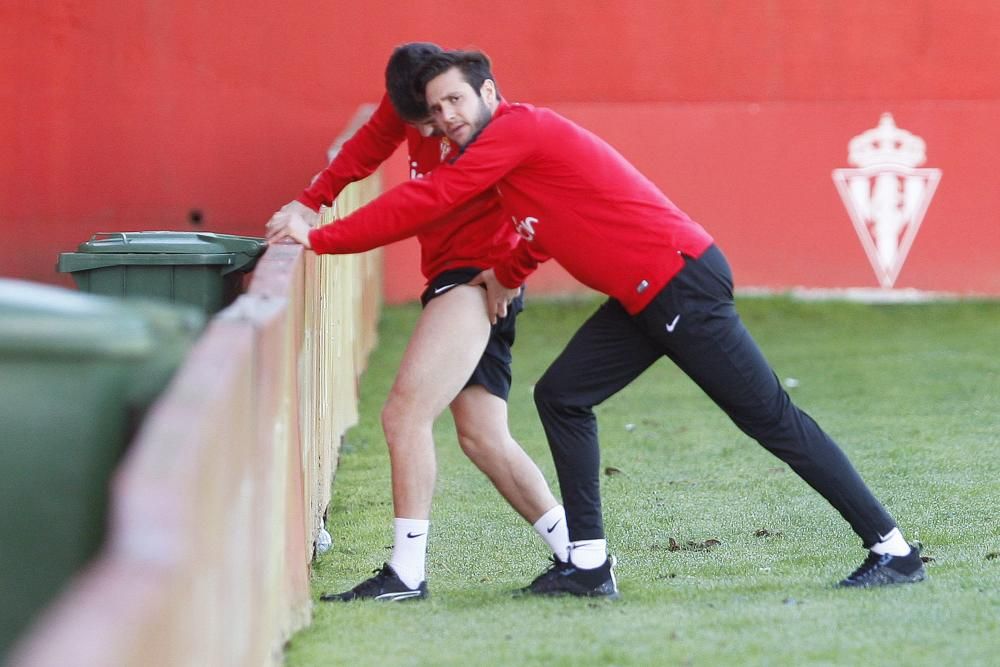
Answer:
[(76, 373), (202, 269)]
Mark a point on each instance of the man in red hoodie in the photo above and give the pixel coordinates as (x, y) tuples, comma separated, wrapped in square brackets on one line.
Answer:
[(472, 378), (572, 197)]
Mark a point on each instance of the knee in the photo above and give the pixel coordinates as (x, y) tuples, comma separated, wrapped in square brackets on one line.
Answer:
[(775, 418), (544, 392), (474, 446), (391, 422), (481, 441), (551, 395), (398, 418)]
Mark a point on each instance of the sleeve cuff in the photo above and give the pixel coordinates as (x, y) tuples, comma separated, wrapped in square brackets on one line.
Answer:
[(316, 241), (504, 277), (306, 200)]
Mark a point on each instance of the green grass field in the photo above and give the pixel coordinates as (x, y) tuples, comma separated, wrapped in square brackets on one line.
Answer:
[(911, 392)]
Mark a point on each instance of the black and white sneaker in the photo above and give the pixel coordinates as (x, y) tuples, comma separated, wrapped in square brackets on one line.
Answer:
[(385, 586), (883, 569), (566, 579)]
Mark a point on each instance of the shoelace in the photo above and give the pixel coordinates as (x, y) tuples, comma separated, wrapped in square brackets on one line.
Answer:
[(373, 583), (873, 561), (555, 566), (556, 563)]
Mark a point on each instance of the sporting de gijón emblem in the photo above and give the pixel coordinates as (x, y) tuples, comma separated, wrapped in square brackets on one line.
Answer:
[(887, 194)]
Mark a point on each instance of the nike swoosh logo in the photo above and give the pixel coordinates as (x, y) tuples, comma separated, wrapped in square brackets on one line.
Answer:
[(444, 288), (412, 535), (404, 595), (553, 526), (673, 325)]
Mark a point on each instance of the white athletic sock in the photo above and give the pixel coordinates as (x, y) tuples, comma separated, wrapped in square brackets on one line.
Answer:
[(552, 528), (892, 544), (588, 554), (409, 550)]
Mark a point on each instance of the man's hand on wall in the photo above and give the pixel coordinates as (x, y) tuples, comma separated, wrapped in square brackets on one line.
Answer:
[(289, 227)]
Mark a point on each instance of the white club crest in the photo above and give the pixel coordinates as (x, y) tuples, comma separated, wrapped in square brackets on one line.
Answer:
[(886, 196)]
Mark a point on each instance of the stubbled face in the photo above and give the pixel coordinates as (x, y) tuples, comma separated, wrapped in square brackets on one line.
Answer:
[(455, 106)]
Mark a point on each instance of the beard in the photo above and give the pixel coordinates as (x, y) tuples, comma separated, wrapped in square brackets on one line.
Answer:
[(483, 118)]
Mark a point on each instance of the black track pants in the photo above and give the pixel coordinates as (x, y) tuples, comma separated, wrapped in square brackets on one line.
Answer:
[(693, 322)]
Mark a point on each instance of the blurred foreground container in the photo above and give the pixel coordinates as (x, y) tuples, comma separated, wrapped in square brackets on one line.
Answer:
[(77, 372)]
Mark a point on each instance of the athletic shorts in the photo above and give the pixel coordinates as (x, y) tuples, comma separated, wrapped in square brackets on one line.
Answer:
[(493, 371)]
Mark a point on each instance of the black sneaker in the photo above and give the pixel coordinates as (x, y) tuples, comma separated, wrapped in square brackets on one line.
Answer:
[(880, 570), (567, 579), (555, 566), (385, 586)]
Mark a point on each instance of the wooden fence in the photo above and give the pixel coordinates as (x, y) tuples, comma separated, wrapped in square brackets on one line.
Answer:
[(216, 507)]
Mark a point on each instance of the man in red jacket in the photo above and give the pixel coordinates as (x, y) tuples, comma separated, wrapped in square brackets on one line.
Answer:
[(472, 378), (574, 198)]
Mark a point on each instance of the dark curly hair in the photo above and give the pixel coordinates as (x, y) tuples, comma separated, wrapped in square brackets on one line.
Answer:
[(401, 75)]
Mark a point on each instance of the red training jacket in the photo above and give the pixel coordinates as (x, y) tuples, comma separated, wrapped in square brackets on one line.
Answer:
[(475, 234), (569, 194)]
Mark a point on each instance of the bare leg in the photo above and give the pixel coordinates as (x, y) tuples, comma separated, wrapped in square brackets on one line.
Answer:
[(444, 350), (481, 424), (445, 347)]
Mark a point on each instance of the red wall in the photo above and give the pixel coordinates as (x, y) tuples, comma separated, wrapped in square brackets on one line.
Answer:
[(125, 115)]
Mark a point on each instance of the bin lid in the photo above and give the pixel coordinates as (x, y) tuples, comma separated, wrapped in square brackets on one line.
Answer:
[(204, 243), (38, 319), (104, 249)]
